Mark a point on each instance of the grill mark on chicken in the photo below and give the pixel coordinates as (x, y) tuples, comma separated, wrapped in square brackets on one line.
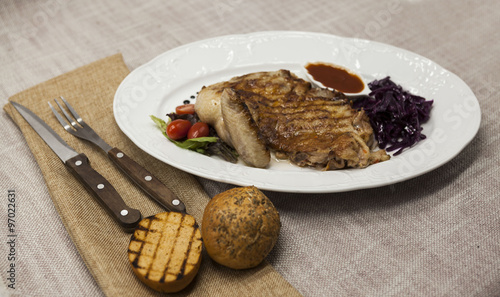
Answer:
[(310, 126)]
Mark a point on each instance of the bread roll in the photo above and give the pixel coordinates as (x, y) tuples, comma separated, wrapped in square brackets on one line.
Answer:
[(165, 251), (240, 227)]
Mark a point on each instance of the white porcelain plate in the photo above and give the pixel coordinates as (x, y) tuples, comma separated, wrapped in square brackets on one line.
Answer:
[(157, 87)]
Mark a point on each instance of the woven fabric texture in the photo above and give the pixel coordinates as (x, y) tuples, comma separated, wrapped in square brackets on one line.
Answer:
[(99, 240), (434, 235)]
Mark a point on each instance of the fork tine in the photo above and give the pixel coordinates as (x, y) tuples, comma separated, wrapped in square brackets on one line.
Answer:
[(61, 120), (73, 111), (66, 114)]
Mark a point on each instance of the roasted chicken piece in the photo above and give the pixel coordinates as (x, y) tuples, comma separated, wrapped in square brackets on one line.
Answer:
[(310, 126), (243, 131)]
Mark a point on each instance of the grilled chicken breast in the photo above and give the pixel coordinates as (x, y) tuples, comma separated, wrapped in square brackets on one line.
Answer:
[(310, 126)]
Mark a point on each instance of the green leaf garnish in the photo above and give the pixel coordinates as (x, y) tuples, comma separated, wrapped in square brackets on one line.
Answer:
[(161, 124), (195, 144)]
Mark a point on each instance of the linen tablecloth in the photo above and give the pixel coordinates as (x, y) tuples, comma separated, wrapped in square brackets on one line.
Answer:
[(434, 235)]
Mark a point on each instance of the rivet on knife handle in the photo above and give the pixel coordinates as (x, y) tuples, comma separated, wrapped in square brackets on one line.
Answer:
[(78, 163), (107, 195), (148, 182)]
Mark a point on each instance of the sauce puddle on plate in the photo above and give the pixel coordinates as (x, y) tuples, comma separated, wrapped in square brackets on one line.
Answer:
[(335, 77)]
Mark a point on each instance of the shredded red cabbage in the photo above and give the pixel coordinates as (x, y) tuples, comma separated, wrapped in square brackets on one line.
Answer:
[(395, 114)]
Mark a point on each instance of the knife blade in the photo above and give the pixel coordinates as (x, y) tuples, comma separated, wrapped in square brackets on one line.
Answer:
[(79, 165)]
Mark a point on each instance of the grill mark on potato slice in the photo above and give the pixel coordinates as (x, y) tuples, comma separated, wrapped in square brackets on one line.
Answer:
[(180, 275), (165, 251), (170, 254), (135, 239), (157, 257)]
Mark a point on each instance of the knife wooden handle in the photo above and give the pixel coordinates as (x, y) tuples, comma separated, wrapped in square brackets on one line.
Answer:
[(148, 182), (127, 217)]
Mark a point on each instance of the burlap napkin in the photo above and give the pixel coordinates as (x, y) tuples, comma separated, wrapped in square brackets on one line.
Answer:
[(100, 241)]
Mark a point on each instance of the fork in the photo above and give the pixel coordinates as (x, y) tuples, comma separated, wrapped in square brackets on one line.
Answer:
[(75, 125)]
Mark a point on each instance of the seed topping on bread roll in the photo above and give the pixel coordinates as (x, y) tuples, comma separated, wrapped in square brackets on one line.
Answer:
[(240, 227)]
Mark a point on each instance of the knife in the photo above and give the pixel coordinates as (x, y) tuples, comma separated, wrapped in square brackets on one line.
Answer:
[(141, 176), (79, 165)]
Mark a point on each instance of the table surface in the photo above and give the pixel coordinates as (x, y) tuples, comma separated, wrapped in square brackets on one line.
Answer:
[(434, 235)]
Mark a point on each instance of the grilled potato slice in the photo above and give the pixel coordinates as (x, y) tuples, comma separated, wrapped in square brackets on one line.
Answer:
[(165, 251)]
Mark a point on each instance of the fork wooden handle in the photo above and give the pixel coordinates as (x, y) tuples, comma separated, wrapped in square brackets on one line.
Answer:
[(148, 182), (105, 193)]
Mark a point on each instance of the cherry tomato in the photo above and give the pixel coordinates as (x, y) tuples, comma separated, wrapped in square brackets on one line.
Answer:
[(199, 129), (178, 129), (185, 109)]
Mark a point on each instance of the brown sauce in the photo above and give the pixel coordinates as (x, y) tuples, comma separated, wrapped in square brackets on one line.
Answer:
[(335, 77)]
